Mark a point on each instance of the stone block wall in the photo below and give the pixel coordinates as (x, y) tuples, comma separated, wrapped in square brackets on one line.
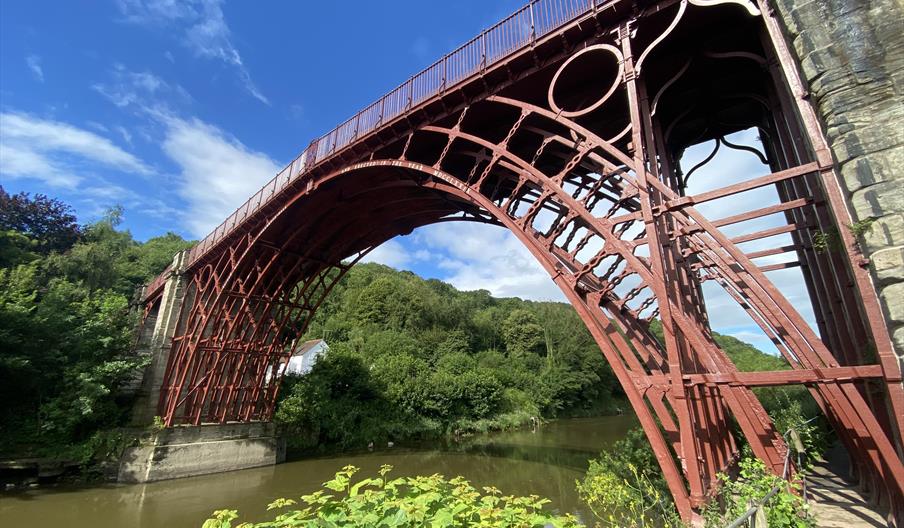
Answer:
[(188, 451), (851, 53), (155, 343)]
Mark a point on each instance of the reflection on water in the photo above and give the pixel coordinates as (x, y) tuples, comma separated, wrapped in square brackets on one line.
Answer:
[(545, 463)]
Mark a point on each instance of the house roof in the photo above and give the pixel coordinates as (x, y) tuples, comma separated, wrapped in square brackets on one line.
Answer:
[(307, 346)]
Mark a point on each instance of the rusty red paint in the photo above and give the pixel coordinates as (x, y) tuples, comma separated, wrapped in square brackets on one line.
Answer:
[(624, 243)]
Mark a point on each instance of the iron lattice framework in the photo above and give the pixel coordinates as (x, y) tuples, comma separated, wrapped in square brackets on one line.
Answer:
[(565, 124)]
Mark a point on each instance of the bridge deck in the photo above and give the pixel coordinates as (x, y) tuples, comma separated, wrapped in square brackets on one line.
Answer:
[(835, 501)]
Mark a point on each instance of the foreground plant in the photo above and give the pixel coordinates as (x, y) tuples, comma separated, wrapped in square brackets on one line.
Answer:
[(624, 487), (402, 502), (785, 509), (635, 501)]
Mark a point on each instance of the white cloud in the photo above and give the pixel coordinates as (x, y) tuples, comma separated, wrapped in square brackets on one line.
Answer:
[(128, 88), (124, 132), (17, 161), (470, 256), (155, 11), (204, 31), (56, 152), (483, 257), (34, 64), (218, 173), (100, 127), (391, 253)]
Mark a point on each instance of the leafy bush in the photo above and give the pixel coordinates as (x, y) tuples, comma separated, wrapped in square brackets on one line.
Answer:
[(754, 482), (628, 502), (812, 434), (402, 502), (624, 487)]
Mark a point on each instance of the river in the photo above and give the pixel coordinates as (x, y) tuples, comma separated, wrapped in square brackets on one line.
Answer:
[(545, 463)]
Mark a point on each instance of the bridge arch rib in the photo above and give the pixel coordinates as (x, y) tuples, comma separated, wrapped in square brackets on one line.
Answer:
[(607, 219)]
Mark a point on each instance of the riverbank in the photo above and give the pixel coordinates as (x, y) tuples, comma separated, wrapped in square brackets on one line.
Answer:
[(460, 431)]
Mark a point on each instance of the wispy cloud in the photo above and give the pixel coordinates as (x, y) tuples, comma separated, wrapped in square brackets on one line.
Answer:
[(34, 64), (485, 257), (391, 253), (126, 88), (57, 153), (471, 256), (124, 132), (203, 30), (217, 172)]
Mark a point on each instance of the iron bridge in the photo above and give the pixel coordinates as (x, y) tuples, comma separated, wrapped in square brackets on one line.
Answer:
[(565, 123)]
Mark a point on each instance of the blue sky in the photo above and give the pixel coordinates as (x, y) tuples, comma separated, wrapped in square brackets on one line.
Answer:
[(133, 101), (180, 110)]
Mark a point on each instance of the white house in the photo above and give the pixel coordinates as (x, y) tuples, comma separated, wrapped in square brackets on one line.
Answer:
[(305, 356)]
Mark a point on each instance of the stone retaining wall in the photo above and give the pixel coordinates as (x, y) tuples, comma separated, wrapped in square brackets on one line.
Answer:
[(188, 451)]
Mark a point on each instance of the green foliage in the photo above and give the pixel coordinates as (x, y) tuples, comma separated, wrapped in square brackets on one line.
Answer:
[(66, 328), (785, 509), (830, 240), (158, 424), (807, 433), (413, 358), (47, 224), (402, 502), (628, 502), (522, 334), (862, 227), (824, 241), (624, 487), (16, 248)]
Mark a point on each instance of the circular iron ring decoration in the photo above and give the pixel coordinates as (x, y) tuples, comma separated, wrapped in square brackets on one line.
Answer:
[(615, 83)]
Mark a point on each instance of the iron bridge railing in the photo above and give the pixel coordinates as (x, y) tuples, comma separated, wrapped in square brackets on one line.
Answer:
[(534, 20)]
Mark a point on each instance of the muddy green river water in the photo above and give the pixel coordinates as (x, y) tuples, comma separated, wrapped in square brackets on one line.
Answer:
[(545, 463)]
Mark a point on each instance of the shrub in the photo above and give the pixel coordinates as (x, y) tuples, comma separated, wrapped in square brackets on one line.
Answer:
[(785, 509), (402, 502), (812, 434), (628, 502), (624, 487)]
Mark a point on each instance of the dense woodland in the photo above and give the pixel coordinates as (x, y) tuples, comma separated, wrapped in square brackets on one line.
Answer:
[(408, 357), (66, 327), (411, 357), (414, 357)]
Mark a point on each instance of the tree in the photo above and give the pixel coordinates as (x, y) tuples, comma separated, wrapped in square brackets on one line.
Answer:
[(49, 222), (522, 333), (66, 328)]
